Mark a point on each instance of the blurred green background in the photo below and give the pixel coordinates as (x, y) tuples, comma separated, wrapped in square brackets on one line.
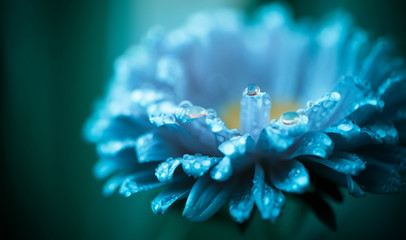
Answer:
[(57, 57)]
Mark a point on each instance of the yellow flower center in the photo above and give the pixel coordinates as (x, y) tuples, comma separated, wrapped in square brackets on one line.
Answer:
[(230, 114)]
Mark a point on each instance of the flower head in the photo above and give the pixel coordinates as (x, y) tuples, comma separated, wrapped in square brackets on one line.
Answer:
[(336, 100)]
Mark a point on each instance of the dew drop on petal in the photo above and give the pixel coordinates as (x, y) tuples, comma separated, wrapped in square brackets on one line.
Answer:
[(345, 127), (290, 118), (335, 96), (195, 112), (252, 90)]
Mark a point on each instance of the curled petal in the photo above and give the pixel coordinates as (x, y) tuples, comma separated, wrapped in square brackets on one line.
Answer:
[(314, 144), (290, 176)]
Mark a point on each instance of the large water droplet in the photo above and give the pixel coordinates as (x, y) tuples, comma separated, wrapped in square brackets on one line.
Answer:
[(290, 118), (345, 127), (195, 112), (252, 90)]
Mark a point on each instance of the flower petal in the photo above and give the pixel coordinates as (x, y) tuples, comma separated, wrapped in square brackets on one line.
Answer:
[(364, 110), (166, 198), (113, 147), (140, 181), (206, 198), (391, 91), (314, 144), (381, 133), (237, 146), (290, 176), (241, 204), (344, 134), (353, 188), (197, 165), (321, 111), (377, 179), (342, 162), (112, 184), (165, 170), (223, 170), (273, 140), (117, 127), (150, 147), (269, 201)]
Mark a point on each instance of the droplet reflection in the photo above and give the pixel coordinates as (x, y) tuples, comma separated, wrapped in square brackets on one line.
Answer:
[(252, 90), (290, 118)]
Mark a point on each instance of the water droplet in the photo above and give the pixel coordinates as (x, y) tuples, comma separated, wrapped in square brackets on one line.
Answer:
[(310, 104), (335, 96), (327, 141), (195, 112), (290, 118), (345, 127), (197, 165), (252, 90)]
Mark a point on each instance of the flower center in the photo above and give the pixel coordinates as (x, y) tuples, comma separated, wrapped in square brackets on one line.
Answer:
[(258, 107)]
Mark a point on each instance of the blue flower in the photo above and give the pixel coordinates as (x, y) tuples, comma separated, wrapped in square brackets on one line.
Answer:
[(340, 98)]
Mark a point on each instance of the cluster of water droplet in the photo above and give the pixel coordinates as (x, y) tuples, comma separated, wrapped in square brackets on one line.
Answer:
[(343, 162), (269, 200), (130, 186), (157, 104), (318, 111), (193, 165), (382, 133), (240, 207), (197, 165), (344, 133), (361, 111), (187, 112), (165, 199)]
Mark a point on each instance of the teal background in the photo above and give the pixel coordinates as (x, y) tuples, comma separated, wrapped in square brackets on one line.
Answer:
[(57, 57)]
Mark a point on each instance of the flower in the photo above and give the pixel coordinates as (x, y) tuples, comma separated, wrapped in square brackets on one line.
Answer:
[(158, 124)]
